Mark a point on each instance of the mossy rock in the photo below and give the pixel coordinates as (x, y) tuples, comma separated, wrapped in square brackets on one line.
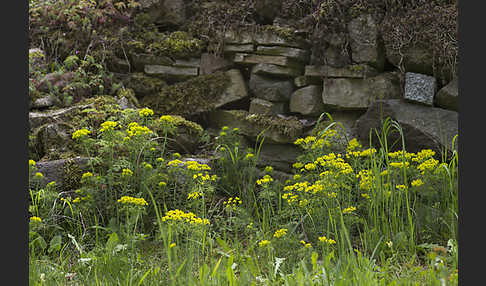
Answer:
[(275, 129), (185, 98), (187, 138)]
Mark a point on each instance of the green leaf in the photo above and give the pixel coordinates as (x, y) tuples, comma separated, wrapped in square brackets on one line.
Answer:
[(55, 244), (112, 242)]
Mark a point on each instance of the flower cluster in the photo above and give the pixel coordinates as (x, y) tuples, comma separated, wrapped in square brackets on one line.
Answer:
[(133, 201), (267, 179), (280, 232), (35, 219), (189, 217), (306, 244), (194, 195), (135, 129), (146, 112), (349, 210), (81, 133), (327, 240), (108, 125), (232, 203), (264, 243), (127, 172)]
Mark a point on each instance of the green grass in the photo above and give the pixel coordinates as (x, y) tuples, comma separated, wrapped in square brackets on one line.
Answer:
[(349, 216)]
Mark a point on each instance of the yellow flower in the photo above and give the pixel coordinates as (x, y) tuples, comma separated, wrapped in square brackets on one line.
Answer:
[(146, 112), (310, 166), (279, 233), (127, 172), (174, 163), (147, 165), (135, 129), (132, 200), (31, 163), (417, 183), (268, 169), (108, 125), (305, 244), (35, 219), (162, 184), (167, 119), (401, 187), (428, 165), (264, 243), (349, 210), (176, 155), (178, 215), (297, 165), (399, 164), (267, 179), (81, 133), (86, 175), (353, 145), (39, 175), (249, 156), (173, 244), (225, 128), (194, 195), (327, 240)]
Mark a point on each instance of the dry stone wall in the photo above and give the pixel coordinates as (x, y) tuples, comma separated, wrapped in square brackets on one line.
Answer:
[(279, 91)]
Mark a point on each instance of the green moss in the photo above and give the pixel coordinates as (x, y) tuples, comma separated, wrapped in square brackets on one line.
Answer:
[(192, 96), (144, 85), (289, 127)]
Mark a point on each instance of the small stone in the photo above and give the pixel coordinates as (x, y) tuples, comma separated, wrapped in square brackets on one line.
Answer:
[(307, 100), (211, 63), (262, 106), (420, 88), (234, 48), (270, 89), (300, 55), (277, 71)]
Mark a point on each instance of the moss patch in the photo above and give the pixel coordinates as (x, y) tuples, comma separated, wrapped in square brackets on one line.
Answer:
[(288, 127), (189, 97)]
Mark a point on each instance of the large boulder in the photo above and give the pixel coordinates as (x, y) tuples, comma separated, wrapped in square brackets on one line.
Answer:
[(420, 88), (271, 89), (65, 172), (365, 41), (279, 156), (354, 93), (52, 139), (448, 96), (423, 127), (36, 119), (307, 100)]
